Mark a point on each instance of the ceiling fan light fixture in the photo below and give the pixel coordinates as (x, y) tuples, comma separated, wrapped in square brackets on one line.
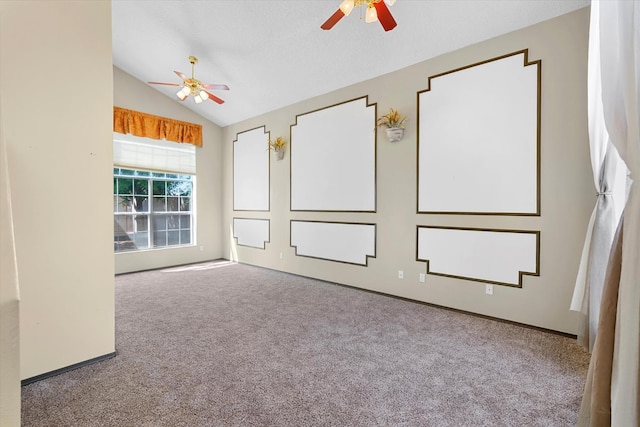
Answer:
[(371, 15), (347, 6), (193, 86)]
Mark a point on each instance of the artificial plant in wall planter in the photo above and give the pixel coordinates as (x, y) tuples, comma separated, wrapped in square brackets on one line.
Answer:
[(394, 123), (278, 147)]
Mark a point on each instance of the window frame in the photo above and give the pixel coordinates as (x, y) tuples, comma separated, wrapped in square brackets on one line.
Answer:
[(153, 241)]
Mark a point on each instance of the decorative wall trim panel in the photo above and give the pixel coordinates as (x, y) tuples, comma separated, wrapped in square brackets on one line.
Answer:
[(251, 232), (501, 257), (333, 158), (251, 166), (479, 139), (350, 243)]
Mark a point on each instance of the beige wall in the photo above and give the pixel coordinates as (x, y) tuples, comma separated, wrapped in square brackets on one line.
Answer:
[(133, 94), (9, 301), (57, 93), (64, 253), (567, 189)]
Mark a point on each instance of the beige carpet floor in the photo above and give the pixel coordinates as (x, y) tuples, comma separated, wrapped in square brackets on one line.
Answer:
[(223, 344)]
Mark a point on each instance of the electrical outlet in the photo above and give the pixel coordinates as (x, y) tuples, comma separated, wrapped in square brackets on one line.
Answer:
[(201, 248), (423, 277), (400, 274), (281, 255), (488, 289)]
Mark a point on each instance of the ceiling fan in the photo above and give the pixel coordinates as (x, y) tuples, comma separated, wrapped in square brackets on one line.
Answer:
[(377, 10), (193, 86)]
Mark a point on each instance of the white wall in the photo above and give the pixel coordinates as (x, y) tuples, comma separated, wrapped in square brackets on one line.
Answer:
[(133, 94), (566, 189), (57, 91)]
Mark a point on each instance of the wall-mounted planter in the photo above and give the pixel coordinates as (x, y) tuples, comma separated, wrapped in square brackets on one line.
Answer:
[(278, 147), (395, 134), (393, 122)]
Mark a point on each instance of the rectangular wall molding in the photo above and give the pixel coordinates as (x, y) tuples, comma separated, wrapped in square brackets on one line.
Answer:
[(350, 243), (479, 139), (333, 158), (500, 257), (251, 170), (251, 232)]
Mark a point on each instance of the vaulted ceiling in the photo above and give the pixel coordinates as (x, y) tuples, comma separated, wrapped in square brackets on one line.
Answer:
[(272, 53)]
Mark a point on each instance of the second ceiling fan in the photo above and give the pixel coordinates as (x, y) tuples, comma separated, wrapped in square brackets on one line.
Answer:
[(377, 10), (193, 86)]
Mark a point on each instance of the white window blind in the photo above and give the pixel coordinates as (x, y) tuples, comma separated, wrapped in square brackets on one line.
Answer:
[(144, 153)]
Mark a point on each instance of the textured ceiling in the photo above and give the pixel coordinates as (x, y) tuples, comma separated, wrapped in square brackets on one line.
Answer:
[(272, 53)]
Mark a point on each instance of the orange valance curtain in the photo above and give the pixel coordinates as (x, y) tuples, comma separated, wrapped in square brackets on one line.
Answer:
[(156, 127)]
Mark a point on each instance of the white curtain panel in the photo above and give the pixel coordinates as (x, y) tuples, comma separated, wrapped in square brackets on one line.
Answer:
[(616, 24), (595, 254), (610, 187), (602, 225)]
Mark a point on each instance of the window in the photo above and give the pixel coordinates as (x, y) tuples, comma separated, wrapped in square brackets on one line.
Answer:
[(151, 209), (153, 193)]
